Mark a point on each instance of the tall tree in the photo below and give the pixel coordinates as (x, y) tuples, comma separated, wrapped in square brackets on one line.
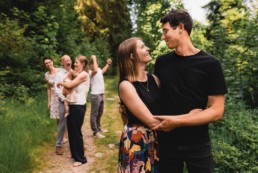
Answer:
[(105, 19)]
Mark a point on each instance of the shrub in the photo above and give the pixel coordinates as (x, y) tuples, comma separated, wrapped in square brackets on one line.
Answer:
[(235, 139)]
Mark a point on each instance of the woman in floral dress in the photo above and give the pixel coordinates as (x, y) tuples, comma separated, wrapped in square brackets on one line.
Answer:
[(52, 97)]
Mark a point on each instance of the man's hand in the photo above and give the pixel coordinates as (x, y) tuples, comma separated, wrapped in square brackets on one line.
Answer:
[(167, 123), (93, 57), (109, 61)]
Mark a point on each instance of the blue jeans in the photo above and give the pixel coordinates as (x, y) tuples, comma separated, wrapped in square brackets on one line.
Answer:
[(97, 107), (197, 158)]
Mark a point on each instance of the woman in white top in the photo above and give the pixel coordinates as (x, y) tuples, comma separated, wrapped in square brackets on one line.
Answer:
[(77, 109)]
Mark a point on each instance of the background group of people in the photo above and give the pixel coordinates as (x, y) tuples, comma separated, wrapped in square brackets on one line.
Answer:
[(167, 114), (67, 97)]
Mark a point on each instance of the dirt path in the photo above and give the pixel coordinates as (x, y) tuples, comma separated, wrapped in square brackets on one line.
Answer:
[(63, 163)]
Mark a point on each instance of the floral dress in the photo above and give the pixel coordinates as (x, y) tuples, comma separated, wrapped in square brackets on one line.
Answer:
[(54, 114), (138, 150)]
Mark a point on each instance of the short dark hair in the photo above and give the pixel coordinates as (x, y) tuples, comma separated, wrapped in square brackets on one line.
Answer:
[(177, 16), (47, 57)]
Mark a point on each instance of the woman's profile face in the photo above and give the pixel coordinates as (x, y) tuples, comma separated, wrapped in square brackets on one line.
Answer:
[(143, 52), (78, 65)]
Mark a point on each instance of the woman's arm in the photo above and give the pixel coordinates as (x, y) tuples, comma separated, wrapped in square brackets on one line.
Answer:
[(133, 102), (48, 96), (79, 79)]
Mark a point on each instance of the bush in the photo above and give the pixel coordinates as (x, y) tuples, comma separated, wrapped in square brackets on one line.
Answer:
[(235, 139)]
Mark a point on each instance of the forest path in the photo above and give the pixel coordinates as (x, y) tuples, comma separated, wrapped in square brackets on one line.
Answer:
[(63, 163)]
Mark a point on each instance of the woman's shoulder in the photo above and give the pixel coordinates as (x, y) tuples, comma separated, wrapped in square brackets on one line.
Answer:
[(83, 75), (125, 84), (47, 73)]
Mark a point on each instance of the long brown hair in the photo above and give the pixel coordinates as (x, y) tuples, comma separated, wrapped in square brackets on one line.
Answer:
[(127, 65)]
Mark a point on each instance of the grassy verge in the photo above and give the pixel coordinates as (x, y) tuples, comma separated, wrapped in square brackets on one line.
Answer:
[(23, 128), (111, 121)]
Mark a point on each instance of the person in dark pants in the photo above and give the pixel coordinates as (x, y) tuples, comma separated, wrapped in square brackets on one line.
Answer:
[(189, 78), (77, 110)]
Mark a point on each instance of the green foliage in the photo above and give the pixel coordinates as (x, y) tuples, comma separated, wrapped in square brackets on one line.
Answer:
[(235, 139), (15, 50), (16, 53), (148, 17), (23, 128), (198, 36), (233, 34), (105, 20), (149, 27)]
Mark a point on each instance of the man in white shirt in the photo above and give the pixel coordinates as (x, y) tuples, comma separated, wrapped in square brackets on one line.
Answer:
[(97, 95), (67, 64)]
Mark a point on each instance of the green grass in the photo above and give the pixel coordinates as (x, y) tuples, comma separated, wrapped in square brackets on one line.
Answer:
[(26, 129), (111, 120), (23, 128)]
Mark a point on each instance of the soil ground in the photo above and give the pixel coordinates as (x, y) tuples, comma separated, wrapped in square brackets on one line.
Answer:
[(63, 163)]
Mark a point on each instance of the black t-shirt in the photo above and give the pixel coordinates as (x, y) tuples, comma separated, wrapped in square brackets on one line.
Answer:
[(149, 94), (186, 83)]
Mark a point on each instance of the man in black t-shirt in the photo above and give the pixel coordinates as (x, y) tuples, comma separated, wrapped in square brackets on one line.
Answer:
[(190, 78)]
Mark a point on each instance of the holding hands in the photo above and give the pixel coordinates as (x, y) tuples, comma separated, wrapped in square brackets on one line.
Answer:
[(168, 123)]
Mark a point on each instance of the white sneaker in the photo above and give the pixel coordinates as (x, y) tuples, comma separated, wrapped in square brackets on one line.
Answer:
[(99, 135), (103, 130)]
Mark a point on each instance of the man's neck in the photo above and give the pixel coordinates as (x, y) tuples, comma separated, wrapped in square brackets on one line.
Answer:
[(68, 69), (186, 49)]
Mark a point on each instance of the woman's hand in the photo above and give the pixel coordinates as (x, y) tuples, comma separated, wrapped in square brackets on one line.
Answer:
[(59, 84), (166, 123), (155, 122), (169, 123)]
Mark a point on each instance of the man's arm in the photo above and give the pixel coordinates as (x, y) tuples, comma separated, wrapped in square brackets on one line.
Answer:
[(58, 90), (94, 65), (213, 113), (105, 68)]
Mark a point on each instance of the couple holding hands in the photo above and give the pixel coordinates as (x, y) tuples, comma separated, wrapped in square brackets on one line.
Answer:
[(188, 89)]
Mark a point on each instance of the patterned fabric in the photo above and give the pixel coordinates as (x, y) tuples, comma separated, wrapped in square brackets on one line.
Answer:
[(54, 114), (138, 151)]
